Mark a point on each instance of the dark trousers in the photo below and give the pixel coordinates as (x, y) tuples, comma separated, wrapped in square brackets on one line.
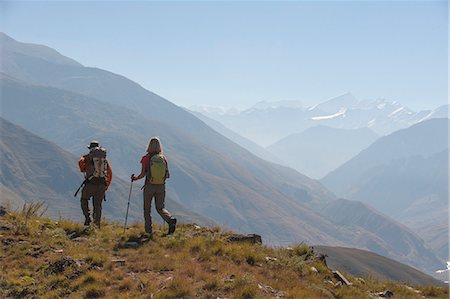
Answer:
[(97, 192), (159, 193)]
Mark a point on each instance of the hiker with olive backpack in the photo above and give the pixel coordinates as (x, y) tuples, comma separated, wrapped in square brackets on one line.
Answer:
[(98, 176), (155, 170)]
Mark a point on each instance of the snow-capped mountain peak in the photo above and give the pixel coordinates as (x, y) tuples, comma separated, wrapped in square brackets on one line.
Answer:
[(336, 104)]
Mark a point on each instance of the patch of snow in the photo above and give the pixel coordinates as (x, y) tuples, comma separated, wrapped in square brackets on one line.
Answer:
[(444, 273), (381, 106), (371, 123), (426, 117), (396, 111), (337, 114), (313, 107)]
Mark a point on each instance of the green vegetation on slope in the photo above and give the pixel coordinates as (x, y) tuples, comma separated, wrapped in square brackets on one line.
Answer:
[(47, 259)]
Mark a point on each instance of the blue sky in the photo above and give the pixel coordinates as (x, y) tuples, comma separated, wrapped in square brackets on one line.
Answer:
[(238, 53)]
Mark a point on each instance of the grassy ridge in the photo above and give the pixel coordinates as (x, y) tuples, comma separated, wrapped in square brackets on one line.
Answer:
[(41, 258)]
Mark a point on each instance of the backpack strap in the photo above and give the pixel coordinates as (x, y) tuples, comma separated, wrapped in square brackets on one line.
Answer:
[(148, 174)]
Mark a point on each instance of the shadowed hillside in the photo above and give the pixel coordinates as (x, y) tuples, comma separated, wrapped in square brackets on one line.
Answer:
[(404, 175), (392, 238), (365, 263)]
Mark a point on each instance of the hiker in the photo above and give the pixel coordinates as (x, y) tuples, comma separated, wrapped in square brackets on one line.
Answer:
[(97, 178), (156, 171)]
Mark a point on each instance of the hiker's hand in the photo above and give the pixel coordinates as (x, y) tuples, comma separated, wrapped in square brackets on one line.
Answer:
[(133, 177)]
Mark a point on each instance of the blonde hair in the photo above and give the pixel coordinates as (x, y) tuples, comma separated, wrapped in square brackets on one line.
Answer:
[(154, 146)]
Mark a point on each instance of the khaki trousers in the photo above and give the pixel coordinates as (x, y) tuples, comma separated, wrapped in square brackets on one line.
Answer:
[(159, 192), (97, 192)]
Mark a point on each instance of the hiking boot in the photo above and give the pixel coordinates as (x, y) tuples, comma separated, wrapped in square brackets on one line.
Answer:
[(87, 222), (97, 224), (146, 237), (172, 225)]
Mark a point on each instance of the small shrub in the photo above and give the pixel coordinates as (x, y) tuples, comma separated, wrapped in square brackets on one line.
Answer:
[(126, 284), (95, 259), (211, 285), (246, 292), (94, 292), (89, 278), (33, 210), (431, 291), (303, 251), (178, 288), (321, 268)]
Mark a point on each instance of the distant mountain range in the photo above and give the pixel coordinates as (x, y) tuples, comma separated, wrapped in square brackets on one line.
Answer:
[(69, 105), (266, 123), (404, 175)]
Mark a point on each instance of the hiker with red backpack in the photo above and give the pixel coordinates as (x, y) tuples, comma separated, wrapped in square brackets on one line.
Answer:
[(155, 170), (98, 176)]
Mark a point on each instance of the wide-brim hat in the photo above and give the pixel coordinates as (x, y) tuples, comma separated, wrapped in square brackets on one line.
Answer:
[(94, 143)]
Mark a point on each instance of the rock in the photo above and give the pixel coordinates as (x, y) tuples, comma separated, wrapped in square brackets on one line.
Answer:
[(270, 259), (230, 278), (8, 242), (252, 238), (168, 279), (58, 251), (338, 275), (131, 245), (118, 261), (6, 227), (314, 269), (3, 211), (80, 239), (250, 260), (412, 289), (386, 294), (269, 290)]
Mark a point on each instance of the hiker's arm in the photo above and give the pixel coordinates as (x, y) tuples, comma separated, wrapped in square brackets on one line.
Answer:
[(82, 164), (140, 176), (167, 168)]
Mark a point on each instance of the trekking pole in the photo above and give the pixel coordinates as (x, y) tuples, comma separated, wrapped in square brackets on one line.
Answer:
[(82, 184), (128, 207), (78, 190)]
